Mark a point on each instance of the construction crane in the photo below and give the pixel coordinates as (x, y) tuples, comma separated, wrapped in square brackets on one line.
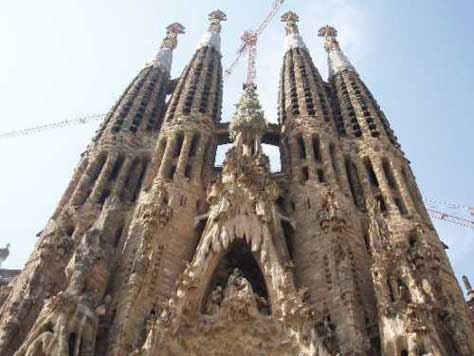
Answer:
[(250, 39), (457, 214), (250, 42), (52, 126), (249, 45)]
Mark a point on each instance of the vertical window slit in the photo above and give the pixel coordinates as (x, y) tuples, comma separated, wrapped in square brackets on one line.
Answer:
[(354, 183), (371, 173), (389, 174), (305, 173), (302, 147), (335, 167), (321, 177), (317, 149), (179, 144), (138, 184), (193, 146)]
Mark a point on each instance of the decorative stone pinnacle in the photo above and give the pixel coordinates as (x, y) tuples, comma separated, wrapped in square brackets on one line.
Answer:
[(291, 20), (215, 19), (337, 60), (293, 38), (330, 34), (248, 124), (164, 57), (212, 37), (172, 32)]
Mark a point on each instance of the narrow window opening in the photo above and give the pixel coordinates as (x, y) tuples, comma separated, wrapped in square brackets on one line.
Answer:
[(305, 173), (381, 203), (401, 207), (187, 171), (116, 168), (293, 206), (118, 235), (389, 174), (354, 183), (371, 173), (280, 202), (72, 344), (302, 147), (105, 194), (179, 144), (317, 149), (70, 230), (308, 204), (288, 233), (139, 182), (182, 202), (335, 167), (171, 172), (321, 177), (193, 147), (367, 241)]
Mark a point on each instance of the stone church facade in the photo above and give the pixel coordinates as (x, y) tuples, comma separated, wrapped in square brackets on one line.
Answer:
[(154, 251)]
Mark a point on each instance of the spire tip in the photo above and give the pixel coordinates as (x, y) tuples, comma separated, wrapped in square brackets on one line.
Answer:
[(215, 19), (327, 31), (291, 19)]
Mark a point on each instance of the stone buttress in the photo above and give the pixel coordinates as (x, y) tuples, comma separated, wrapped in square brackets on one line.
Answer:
[(421, 309), (327, 247), (59, 300), (163, 234)]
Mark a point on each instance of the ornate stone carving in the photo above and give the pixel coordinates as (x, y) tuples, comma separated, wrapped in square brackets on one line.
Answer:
[(332, 216)]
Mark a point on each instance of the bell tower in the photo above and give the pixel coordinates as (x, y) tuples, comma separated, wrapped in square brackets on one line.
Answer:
[(414, 284)]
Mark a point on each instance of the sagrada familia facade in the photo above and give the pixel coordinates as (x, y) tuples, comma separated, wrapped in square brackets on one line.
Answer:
[(153, 250)]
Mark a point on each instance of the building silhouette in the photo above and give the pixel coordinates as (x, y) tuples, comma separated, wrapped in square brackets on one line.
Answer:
[(154, 251)]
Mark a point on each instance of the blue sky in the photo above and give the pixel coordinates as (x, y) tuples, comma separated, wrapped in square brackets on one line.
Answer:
[(69, 58)]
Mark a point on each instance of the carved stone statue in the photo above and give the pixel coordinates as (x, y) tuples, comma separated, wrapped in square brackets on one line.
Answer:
[(379, 232)]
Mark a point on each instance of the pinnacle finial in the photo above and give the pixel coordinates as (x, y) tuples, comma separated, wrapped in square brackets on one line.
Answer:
[(291, 19), (164, 57), (172, 32), (293, 38), (329, 33), (248, 124), (213, 35), (337, 60), (215, 19)]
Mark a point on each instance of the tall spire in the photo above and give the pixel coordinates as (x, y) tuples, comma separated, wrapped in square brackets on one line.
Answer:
[(164, 57), (212, 37), (337, 60), (293, 38)]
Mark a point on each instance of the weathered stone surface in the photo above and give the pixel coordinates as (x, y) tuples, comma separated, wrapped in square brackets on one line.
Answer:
[(154, 251)]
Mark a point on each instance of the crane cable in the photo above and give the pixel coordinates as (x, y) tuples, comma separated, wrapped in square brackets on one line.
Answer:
[(55, 125), (95, 117)]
